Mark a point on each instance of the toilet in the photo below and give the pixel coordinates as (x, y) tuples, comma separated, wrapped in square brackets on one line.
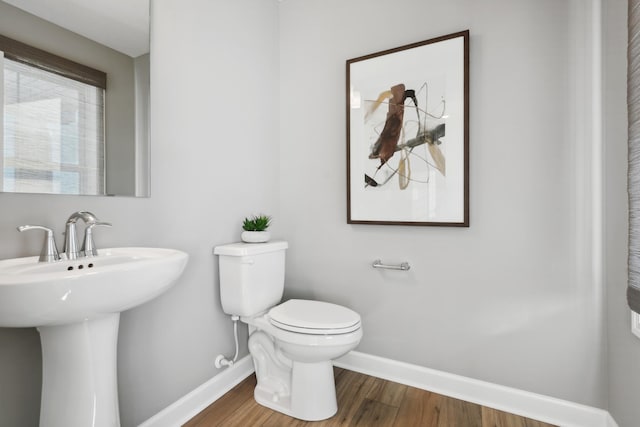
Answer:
[(293, 344)]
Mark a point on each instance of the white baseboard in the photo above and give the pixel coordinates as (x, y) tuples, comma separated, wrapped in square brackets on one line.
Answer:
[(194, 402), (531, 405)]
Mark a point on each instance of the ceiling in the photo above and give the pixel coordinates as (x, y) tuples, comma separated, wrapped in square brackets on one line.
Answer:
[(122, 25)]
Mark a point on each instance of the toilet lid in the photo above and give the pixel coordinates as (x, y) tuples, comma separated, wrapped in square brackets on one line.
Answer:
[(314, 317)]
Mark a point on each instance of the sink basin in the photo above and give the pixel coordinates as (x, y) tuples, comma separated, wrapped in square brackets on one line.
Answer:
[(42, 294), (76, 305)]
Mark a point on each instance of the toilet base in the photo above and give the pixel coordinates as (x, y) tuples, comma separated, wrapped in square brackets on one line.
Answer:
[(301, 390), (313, 393)]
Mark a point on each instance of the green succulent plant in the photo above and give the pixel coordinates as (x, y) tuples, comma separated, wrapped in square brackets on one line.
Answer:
[(256, 223)]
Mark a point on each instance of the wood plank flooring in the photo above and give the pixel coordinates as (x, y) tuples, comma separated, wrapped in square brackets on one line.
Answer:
[(362, 401)]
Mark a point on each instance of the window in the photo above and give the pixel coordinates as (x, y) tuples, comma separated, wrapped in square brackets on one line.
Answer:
[(53, 126)]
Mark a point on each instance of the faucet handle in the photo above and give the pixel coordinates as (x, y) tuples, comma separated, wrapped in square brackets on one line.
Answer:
[(88, 246), (49, 251)]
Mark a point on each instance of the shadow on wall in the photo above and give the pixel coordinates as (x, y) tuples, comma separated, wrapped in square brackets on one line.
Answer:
[(24, 373), (306, 291)]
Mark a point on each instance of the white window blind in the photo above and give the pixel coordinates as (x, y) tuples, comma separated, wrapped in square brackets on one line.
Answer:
[(53, 132), (633, 106)]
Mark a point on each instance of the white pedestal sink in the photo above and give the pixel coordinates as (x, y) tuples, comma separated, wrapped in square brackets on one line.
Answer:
[(76, 305)]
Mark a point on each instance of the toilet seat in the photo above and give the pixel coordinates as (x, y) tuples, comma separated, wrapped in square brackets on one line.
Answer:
[(314, 317)]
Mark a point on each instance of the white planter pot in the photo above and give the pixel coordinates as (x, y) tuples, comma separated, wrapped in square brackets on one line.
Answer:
[(255, 236)]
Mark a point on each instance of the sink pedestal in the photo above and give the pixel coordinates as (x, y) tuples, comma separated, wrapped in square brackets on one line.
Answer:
[(79, 374)]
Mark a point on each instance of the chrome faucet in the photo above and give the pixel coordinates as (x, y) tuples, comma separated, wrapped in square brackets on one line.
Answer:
[(49, 251), (88, 246), (70, 236)]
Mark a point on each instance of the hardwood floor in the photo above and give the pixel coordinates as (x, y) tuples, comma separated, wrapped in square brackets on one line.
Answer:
[(362, 401)]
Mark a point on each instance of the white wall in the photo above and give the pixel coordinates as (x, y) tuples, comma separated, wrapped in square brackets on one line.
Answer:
[(213, 161), (505, 300)]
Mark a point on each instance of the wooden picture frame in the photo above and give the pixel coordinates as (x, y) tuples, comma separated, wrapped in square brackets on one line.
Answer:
[(408, 134)]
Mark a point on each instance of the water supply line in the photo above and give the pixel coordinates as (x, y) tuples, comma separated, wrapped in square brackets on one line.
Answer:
[(221, 360)]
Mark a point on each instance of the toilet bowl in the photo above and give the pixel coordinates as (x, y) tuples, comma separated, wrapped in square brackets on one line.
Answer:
[(300, 341), (294, 360), (293, 344)]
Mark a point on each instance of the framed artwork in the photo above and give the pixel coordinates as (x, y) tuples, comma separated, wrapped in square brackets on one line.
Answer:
[(408, 134)]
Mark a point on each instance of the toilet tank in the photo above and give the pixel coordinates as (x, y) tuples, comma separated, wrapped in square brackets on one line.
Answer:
[(251, 276)]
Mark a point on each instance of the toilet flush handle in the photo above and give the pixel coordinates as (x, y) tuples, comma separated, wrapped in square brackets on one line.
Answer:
[(247, 260)]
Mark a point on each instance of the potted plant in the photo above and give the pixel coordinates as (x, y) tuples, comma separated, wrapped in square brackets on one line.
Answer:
[(255, 229)]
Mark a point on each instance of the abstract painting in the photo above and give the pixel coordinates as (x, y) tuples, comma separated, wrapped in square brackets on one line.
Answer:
[(408, 134)]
